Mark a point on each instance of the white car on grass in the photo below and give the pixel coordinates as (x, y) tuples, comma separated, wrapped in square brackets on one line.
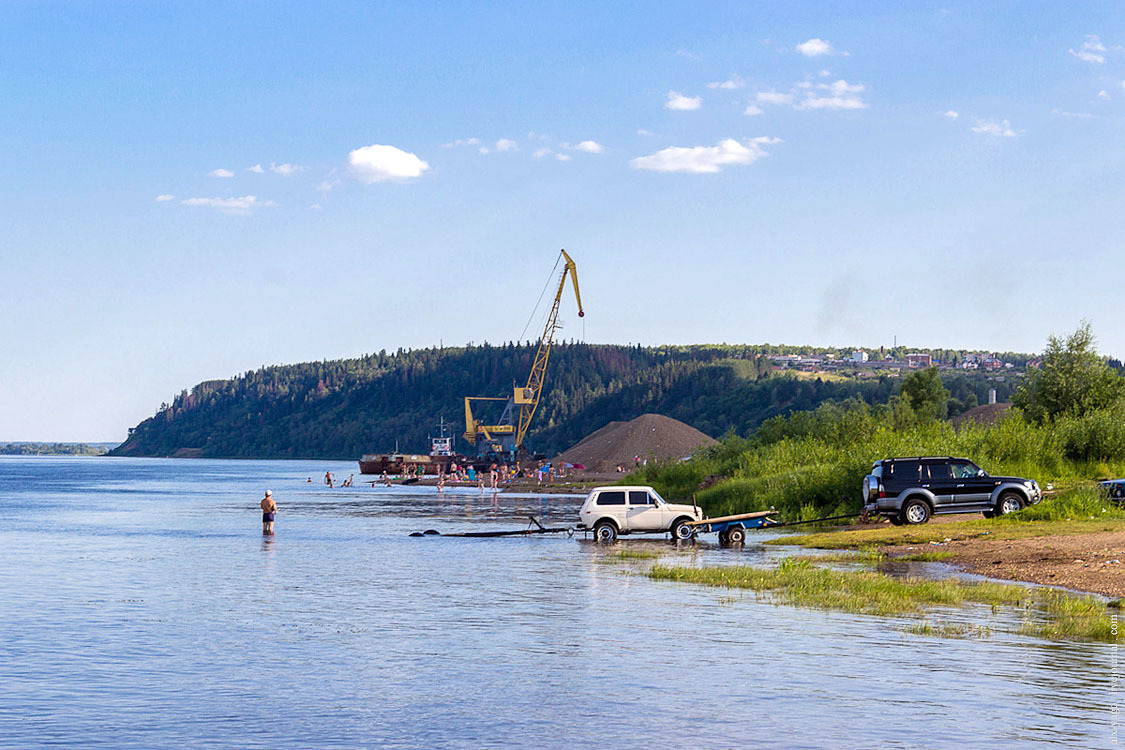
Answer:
[(613, 511)]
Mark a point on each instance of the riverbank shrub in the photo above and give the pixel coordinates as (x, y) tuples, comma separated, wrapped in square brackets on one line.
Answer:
[(812, 464)]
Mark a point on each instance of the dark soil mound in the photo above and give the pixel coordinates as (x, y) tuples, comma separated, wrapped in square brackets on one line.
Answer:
[(649, 436), (983, 414)]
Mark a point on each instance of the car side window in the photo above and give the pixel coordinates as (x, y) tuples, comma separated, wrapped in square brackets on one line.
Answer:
[(639, 497), (964, 470), (938, 471), (905, 471), (616, 497)]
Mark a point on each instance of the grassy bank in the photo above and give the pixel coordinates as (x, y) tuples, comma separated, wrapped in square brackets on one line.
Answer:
[(812, 464), (801, 583), (1079, 510)]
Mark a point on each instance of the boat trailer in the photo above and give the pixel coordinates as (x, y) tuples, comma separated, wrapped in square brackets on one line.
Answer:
[(732, 529)]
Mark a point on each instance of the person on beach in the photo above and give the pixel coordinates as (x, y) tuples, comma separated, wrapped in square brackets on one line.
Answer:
[(492, 477), (269, 509), (328, 478)]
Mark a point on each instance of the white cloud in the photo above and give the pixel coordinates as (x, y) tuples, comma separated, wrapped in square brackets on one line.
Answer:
[(327, 186), (839, 95), (164, 198), (734, 82), (1092, 50), (952, 114), (315, 207), (563, 157), (256, 169), (220, 172), (1001, 128), (541, 152), (753, 109), (484, 150), (235, 206), (814, 47), (704, 159), (285, 170), (1064, 113), (642, 131), (506, 144), (688, 55), (774, 97), (679, 102), (377, 163), (462, 142), (1103, 95), (590, 147)]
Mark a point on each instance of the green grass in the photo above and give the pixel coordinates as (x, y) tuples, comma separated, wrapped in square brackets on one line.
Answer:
[(885, 535), (800, 583), (811, 464), (631, 554), (868, 555), (949, 630), (873, 556), (935, 556)]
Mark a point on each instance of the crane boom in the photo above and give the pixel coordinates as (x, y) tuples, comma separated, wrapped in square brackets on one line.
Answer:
[(529, 400), (507, 435)]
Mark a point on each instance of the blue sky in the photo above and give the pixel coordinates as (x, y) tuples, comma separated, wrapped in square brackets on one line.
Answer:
[(193, 190)]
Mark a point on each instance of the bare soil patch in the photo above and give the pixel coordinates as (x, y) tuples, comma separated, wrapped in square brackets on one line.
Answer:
[(1086, 562)]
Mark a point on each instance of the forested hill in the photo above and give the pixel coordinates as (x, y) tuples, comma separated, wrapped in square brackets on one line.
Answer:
[(343, 409)]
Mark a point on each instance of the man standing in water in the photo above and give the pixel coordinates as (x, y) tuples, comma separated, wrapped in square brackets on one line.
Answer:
[(269, 508)]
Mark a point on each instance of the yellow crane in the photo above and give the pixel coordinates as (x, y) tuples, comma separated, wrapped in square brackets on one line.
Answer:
[(507, 436)]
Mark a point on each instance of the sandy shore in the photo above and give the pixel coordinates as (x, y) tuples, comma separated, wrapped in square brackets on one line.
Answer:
[(1086, 562)]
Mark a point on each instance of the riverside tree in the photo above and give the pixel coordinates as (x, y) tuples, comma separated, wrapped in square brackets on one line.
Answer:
[(925, 394), (1073, 379)]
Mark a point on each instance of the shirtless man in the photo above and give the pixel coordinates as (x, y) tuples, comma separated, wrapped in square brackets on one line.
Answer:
[(269, 508)]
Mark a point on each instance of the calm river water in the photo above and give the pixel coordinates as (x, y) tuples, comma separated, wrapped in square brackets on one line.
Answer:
[(140, 607)]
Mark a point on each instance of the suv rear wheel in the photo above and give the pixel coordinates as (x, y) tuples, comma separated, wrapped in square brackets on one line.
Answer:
[(1009, 502), (605, 532), (915, 512)]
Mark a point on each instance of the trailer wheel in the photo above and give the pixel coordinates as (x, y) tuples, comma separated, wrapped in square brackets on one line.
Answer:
[(736, 535), (680, 530), (895, 520), (605, 532)]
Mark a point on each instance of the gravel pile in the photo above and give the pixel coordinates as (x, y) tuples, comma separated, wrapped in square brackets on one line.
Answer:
[(650, 436)]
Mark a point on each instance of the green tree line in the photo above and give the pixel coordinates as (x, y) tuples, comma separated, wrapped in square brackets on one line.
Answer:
[(344, 408)]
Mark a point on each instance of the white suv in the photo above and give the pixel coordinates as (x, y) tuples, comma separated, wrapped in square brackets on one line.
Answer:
[(610, 511)]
